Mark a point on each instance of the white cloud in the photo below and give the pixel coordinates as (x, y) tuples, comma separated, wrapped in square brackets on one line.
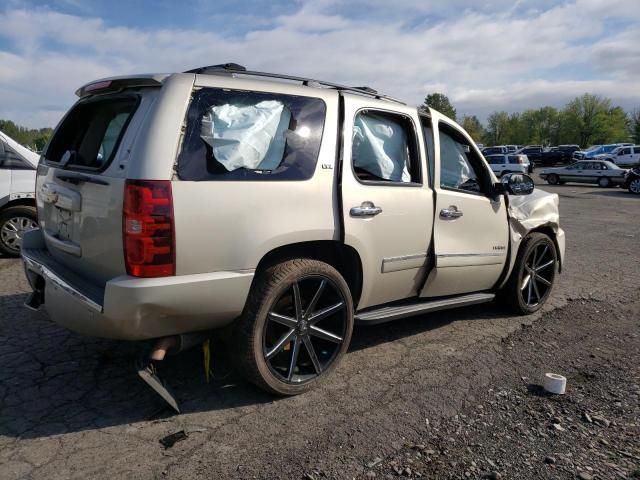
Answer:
[(497, 56)]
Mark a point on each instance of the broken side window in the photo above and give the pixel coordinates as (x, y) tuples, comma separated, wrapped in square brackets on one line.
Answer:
[(239, 135)]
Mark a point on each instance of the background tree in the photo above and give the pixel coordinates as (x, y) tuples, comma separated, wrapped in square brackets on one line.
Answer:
[(585, 120), (634, 125), (440, 102), (498, 125), (473, 127), (34, 138)]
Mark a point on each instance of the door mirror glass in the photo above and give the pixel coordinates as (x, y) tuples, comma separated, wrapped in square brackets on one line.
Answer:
[(517, 183)]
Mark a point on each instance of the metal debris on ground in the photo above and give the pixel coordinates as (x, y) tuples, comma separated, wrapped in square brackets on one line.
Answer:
[(170, 440)]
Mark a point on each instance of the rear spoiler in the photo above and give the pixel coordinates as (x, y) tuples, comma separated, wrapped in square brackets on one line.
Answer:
[(115, 84)]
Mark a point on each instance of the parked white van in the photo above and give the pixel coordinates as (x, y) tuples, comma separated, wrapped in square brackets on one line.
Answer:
[(17, 199)]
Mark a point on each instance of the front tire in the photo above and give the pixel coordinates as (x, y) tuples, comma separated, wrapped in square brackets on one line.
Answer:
[(634, 186), (553, 179), (14, 222), (295, 328), (531, 280)]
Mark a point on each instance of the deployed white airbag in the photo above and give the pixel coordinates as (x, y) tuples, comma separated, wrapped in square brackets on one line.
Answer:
[(380, 147), (247, 136), (454, 168)]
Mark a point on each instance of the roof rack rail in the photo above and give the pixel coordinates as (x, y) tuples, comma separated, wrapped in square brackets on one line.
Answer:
[(234, 68)]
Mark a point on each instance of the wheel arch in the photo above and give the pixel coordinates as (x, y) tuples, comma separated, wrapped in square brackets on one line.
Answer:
[(517, 239), (550, 231), (344, 258), (18, 202)]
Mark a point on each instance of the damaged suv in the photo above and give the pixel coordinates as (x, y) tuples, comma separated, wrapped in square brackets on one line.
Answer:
[(277, 210)]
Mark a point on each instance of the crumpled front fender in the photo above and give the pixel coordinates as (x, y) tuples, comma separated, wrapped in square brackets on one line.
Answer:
[(527, 213)]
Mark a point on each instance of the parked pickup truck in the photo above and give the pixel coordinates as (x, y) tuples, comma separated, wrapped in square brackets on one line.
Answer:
[(274, 214), (561, 154)]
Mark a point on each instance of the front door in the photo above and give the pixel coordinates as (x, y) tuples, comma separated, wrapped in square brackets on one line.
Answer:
[(471, 232), (387, 205)]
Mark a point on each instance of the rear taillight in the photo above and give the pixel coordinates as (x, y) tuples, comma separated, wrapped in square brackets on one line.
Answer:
[(148, 228)]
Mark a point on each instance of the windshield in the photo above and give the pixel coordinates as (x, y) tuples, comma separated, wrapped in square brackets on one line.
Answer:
[(609, 148)]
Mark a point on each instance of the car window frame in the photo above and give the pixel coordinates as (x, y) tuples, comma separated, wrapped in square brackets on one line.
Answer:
[(107, 163), (430, 160), (22, 163), (254, 177), (389, 183), (486, 183)]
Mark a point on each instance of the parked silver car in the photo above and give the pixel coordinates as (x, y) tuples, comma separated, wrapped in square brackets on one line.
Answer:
[(603, 173), (175, 204)]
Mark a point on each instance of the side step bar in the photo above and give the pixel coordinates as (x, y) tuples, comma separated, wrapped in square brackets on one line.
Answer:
[(389, 313)]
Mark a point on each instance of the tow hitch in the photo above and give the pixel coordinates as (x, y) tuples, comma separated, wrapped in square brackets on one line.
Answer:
[(146, 366)]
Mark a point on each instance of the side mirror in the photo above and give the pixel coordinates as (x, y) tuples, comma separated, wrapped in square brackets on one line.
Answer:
[(517, 184)]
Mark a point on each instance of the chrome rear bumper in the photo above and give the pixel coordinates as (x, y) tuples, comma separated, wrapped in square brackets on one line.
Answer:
[(131, 308)]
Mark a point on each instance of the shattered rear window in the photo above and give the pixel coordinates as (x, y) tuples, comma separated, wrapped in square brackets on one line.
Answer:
[(240, 135)]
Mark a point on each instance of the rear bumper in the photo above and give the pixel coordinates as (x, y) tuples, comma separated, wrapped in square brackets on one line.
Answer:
[(132, 308)]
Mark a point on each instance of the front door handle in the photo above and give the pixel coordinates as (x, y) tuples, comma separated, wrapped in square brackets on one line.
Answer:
[(367, 209), (450, 212)]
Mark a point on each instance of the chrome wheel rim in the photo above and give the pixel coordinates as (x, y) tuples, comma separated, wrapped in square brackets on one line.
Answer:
[(538, 274), (634, 186), (305, 330), (13, 229)]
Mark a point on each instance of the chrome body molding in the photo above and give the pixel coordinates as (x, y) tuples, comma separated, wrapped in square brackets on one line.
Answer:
[(403, 262), (395, 312), (492, 254), (52, 278)]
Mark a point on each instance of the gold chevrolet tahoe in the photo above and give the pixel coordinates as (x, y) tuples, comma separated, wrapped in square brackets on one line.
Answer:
[(279, 209)]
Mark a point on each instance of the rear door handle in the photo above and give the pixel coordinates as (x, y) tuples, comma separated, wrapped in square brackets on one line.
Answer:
[(450, 212), (367, 209)]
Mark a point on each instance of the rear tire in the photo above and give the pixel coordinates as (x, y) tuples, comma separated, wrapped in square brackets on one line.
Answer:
[(533, 275), (14, 221), (279, 343), (553, 179), (604, 182)]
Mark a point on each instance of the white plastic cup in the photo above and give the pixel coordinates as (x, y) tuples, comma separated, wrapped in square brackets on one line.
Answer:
[(554, 383)]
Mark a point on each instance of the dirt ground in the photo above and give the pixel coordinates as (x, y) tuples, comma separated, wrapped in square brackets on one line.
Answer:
[(450, 395)]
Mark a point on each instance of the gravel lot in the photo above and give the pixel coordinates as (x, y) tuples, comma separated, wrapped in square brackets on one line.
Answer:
[(452, 395)]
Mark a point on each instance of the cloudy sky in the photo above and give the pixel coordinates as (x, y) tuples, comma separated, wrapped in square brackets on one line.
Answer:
[(485, 55)]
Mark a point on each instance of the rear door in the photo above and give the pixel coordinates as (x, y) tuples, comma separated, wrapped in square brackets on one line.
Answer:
[(470, 227), (80, 183), (387, 205)]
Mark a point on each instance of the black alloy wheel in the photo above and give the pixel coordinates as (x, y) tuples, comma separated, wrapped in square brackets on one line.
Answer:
[(533, 275), (296, 326), (538, 274), (305, 329)]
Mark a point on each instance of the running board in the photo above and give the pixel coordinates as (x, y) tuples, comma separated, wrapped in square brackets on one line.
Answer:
[(389, 313)]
